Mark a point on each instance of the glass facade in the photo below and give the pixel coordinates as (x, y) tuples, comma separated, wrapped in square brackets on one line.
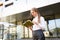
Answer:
[(12, 29), (54, 27), (1, 31)]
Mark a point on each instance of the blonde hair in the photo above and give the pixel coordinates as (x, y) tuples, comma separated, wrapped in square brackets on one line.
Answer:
[(36, 10)]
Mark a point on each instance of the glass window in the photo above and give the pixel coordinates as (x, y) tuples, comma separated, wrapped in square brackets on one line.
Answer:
[(6, 0), (30, 33), (19, 31), (26, 32), (9, 4), (58, 23), (1, 31), (54, 27), (58, 27)]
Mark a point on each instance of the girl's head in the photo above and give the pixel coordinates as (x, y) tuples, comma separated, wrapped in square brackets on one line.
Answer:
[(34, 12)]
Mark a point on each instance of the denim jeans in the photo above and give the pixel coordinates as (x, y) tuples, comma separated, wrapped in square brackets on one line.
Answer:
[(38, 35)]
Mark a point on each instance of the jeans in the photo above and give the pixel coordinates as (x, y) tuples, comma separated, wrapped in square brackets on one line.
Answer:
[(38, 35)]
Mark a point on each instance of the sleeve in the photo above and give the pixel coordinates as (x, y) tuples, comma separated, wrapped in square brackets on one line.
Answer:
[(42, 23)]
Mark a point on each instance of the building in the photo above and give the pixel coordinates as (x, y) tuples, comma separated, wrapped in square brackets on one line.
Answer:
[(16, 12)]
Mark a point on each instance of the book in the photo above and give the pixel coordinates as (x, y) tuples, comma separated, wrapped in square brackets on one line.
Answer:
[(28, 23)]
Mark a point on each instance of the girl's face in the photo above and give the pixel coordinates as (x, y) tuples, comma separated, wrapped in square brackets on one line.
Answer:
[(34, 14)]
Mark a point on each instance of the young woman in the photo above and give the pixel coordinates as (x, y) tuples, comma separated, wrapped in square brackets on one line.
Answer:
[(39, 23)]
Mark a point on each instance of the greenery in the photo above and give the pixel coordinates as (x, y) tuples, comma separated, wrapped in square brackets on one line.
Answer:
[(57, 29)]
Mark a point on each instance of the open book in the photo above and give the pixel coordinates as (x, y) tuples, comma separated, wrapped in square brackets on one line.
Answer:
[(28, 23)]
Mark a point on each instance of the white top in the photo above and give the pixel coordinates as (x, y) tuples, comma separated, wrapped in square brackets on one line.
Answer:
[(41, 25)]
